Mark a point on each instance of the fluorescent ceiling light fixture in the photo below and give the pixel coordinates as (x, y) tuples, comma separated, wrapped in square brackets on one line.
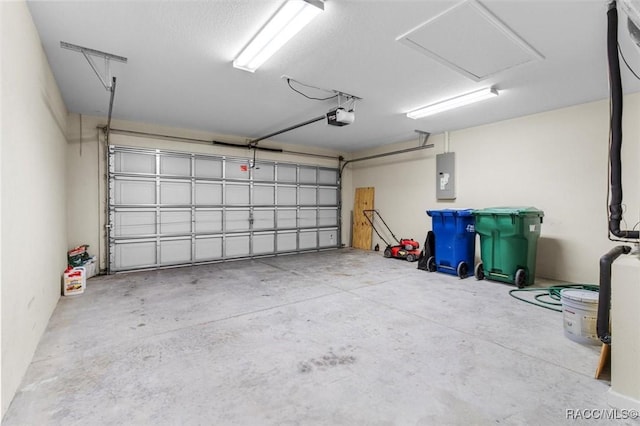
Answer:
[(458, 101), (288, 20)]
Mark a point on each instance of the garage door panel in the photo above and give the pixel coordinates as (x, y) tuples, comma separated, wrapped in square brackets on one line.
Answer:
[(208, 249), (175, 222), (174, 252), (236, 220), (307, 195), (131, 162), (307, 218), (131, 255), (327, 196), (287, 241), (328, 217), (237, 246), (175, 166), (286, 196), (308, 240), (168, 208), (264, 171), (237, 170), (135, 191), (263, 243), (287, 173), (237, 194), (286, 218), (208, 221), (307, 174), (173, 192), (327, 177), (208, 168), (328, 237), (263, 195), (263, 219), (132, 223), (208, 193)]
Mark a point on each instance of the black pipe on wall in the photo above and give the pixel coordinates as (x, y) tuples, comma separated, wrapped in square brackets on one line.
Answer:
[(604, 296), (615, 148)]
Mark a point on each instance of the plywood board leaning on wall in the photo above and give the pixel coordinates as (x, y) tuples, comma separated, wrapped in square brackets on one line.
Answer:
[(361, 227)]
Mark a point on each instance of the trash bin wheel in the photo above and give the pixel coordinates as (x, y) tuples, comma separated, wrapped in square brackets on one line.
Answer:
[(478, 272), (462, 270), (387, 252), (520, 278), (431, 264), (410, 257)]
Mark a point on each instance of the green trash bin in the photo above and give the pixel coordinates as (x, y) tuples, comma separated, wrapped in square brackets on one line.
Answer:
[(508, 243)]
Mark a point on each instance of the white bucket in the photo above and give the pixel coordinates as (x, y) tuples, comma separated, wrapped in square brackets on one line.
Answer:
[(580, 315)]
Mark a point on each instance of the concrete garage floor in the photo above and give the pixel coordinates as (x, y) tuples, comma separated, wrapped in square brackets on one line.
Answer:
[(343, 337)]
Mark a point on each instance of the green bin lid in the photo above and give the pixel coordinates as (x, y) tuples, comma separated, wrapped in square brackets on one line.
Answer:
[(511, 211)]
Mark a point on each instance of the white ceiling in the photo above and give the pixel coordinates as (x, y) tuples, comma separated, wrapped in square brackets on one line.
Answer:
[(179, 71)]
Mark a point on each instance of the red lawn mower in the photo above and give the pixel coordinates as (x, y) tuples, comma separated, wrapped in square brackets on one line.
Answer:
[(405, 249)]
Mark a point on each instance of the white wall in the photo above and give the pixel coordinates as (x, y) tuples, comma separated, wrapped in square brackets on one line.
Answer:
[(1, 180), (32, 192), (86, 174), (555, 161)]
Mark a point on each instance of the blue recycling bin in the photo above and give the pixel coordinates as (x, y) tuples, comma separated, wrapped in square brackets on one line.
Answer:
[(455, 241)]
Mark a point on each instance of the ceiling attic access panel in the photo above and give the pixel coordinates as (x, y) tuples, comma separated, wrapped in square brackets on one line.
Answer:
[(471, 40)]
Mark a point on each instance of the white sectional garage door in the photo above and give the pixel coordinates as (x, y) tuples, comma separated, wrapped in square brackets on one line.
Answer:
[(172, 208)]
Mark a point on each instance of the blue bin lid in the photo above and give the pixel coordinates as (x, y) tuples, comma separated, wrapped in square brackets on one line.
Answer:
[(450, 212), (511, 211)]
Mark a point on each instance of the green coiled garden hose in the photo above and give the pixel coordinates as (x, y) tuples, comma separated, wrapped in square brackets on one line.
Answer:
[(552, 293)]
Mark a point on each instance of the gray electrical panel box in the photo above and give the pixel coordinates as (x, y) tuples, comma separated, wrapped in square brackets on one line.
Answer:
[(445, 176)]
